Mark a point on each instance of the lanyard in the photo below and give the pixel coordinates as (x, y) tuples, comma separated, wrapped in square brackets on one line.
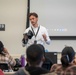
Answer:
[(36, 32), (35, 42)]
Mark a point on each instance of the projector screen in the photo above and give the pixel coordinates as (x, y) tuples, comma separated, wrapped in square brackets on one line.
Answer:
[(58, 16)]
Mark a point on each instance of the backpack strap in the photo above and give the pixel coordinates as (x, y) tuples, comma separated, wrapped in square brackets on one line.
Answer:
[(25, 71)]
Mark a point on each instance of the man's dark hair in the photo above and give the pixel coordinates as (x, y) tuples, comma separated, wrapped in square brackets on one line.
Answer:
[(33, 14), (34, 54)]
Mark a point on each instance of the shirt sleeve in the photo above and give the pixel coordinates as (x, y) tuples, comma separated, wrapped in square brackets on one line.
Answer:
[(26, 31), (12, 62), (48, 38)]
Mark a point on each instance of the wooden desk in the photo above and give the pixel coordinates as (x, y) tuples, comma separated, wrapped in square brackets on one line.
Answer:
[(9, 73)]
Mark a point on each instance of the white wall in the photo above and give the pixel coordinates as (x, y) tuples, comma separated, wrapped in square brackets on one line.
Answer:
[(13, 15), (58, 45)]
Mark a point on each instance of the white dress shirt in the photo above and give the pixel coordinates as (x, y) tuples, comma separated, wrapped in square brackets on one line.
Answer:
[(39, 38)]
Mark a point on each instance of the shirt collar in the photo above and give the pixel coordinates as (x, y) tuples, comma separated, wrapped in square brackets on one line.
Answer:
[(34, 27)]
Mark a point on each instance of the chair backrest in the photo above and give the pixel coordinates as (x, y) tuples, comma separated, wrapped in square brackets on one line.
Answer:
[(52, 56), (4, 66), (47, 63)]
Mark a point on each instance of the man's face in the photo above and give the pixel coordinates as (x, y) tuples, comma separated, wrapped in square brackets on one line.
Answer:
[(33, 20)]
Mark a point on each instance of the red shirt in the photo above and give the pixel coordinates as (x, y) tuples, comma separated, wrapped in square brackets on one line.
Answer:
[(1, 72)]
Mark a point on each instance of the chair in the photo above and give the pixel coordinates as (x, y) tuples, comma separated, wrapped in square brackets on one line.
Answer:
[(50, 59), (4, 66), (47, 63), (52, 56)]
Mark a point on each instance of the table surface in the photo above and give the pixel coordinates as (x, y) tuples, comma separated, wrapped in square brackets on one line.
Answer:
[(9, 73)]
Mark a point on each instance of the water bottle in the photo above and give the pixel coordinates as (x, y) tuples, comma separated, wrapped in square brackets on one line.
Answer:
[(22, 60)]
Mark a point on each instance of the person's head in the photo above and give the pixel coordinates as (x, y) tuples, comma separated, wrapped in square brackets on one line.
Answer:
[(35, 55), (33, 17), (68, 55), (43, 48), (1, 47)]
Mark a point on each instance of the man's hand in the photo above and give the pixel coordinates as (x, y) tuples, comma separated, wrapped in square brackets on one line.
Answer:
[(5, 50), (25, 39), (45, 37)]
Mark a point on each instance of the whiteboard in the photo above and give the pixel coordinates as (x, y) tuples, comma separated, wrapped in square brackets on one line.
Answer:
[(58, 16)]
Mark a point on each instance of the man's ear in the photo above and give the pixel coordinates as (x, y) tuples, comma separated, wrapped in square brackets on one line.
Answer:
[(43, 58), (26, 59), (37, 19)]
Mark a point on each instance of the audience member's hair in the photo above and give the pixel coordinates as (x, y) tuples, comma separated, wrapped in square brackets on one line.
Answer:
[(1, 48), (65, 60), (34, 54), (43, 48), (68, 55)]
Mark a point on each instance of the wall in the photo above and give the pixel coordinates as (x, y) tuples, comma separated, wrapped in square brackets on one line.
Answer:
[(13, 15), (58, 45)]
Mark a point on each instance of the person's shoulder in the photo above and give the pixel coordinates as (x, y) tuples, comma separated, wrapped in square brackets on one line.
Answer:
[(51, 73), (42, 27), (71, 70), (27, 29), (21, 71), (73, 67)]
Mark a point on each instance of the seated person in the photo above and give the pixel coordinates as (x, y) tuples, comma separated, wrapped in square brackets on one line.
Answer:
[(68, 55), (47, 62), (2, 46), (71, 70), (35, 58), (5, 56)]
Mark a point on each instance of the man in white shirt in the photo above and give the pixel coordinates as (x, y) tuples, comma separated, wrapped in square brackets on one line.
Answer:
[(39, 34)]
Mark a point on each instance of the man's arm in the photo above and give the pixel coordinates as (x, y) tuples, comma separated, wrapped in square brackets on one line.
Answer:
[(46, 37)]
